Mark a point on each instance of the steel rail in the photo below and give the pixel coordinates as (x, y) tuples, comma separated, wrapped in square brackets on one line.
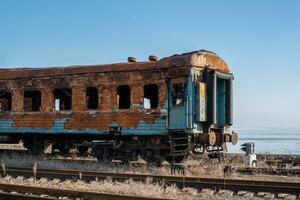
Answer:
[(180, 181), (268, 170), (63, 193), (19, 196)]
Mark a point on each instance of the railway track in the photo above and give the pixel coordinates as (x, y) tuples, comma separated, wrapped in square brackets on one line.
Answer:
[(12, 191), (181, 181), (271, 170), (268, 170)]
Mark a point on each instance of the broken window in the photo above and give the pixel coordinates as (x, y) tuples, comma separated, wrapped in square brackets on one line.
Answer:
[(32, 101), (178, 94), (63, 99), (92, 98), (123, 92), (5, 101), (150, 96)]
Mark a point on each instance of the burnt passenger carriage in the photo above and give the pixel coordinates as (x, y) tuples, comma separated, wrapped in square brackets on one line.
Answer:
[(160, 109)]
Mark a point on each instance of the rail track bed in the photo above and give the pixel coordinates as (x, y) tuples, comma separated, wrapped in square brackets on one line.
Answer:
[(282, 166), (216, 184)]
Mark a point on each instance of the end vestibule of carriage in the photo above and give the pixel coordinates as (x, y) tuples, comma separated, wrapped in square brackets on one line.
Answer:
[(213, 108)]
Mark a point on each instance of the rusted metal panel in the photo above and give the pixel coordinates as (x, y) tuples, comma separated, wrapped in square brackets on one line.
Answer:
[(35, 120), (103, 122), (78, 99), (17, 102), (202, 92), (79, 118), (47, 95)]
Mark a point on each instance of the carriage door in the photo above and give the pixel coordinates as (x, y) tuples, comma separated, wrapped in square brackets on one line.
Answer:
[(221, 98), (177, 103)]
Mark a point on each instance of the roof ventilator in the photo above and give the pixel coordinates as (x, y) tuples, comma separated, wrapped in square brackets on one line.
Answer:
[(153, 58), (131, 59)]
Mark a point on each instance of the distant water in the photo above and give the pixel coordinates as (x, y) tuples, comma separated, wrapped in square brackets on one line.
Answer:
[(269, 140)]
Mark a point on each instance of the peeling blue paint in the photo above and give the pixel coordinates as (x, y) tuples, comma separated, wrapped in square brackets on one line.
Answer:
[(143, 128)]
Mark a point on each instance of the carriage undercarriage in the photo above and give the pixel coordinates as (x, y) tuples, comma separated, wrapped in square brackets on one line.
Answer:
[(173, 147)]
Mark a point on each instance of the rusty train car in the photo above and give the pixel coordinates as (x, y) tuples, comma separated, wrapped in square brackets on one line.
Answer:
[(158, 109)]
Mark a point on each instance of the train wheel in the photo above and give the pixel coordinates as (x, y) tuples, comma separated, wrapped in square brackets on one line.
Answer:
[(103, 154), (64, 150), (62, 147), (82, 150), (34, 148), (153, 157)]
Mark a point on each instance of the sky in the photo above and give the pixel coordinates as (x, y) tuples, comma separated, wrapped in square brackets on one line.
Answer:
[(259, 40)]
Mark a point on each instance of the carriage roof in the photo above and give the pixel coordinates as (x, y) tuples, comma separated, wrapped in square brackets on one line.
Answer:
[(202, 59)]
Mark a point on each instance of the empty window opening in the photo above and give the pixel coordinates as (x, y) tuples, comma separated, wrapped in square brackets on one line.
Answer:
[(5, 101), (150, 96), (32, 101), (63, 99), (92, 98), (123, 92), (178, 94)]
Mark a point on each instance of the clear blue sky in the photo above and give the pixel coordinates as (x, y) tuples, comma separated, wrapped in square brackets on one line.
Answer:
[(260, 40)]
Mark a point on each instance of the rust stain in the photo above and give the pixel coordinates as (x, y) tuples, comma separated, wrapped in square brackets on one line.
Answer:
[(202, 91), (216, 63), (5, 116), (103, 121), (33, 120)]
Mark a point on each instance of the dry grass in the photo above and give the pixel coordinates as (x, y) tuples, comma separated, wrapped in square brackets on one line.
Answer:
[(129, 187)]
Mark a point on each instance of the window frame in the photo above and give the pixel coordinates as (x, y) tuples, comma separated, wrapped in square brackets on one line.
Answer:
[(183, 95), (40, 100), (10, 101), (118, 97), (86, 96), (157, 97), (54, 98)]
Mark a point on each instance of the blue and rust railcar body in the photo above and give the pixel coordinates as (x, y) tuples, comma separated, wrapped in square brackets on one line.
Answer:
[(170, 107)]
